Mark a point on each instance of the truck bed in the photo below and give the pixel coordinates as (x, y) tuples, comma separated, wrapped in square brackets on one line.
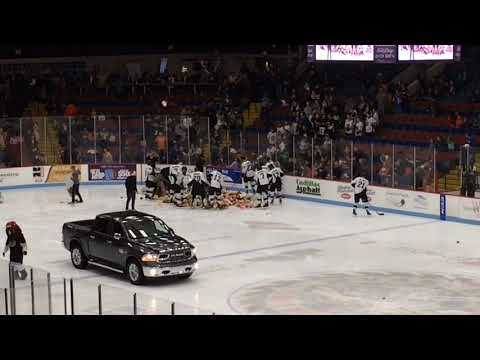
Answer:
[(82, 224), (76, 229)]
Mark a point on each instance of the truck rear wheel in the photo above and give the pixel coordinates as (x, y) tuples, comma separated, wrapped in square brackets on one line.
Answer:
[(78, 257), (135, 272)]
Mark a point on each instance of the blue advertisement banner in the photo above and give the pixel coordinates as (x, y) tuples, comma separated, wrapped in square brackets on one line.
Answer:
[(229, 175), (110, 172)]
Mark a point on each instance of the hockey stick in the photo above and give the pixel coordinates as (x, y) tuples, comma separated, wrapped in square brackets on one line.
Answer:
[(376, 211)]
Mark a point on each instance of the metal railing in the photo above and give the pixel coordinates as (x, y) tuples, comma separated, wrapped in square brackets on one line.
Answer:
[(26, 290)]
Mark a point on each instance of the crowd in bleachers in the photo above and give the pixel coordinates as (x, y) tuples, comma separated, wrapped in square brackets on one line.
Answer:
[(309, 117)]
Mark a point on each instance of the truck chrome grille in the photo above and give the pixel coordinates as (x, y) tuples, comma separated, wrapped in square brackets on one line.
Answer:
[(176, 256)]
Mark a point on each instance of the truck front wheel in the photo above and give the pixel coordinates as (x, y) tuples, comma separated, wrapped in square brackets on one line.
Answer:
[(78, 258), (135, 272)]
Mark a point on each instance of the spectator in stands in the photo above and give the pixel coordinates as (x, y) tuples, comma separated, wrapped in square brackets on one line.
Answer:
[(450, 144), (358, 128), (458, 121), (3, 147), (370, 124), (107, 157)]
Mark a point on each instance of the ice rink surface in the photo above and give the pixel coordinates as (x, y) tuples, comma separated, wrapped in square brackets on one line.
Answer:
[(297, 258)]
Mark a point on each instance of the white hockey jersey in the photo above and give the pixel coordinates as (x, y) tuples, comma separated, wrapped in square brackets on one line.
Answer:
[(247, 169), (277, 174), (176, 170), (186, 180), (216, 179), (262, 177), (359, 184)]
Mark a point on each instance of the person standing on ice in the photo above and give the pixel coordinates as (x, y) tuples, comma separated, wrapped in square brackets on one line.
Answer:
[(131, 187), (17, 246), (76, 184), (359, 185)]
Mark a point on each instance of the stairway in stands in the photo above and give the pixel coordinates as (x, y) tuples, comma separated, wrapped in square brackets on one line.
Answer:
[(451, 181), (52, 151), (50, 146), (207, 153), (252, 115)]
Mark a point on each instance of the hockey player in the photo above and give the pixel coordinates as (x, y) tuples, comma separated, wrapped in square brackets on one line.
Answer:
[(359, 185), (185, 180), (151, 185), (263, 180), (164, 179), (198, 185), (17, 246), (275, 190), (248, 175), (215, 198), (175, 178)]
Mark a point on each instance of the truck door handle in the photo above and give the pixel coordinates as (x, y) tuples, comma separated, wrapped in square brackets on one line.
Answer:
[(92, 237), (109, 241)]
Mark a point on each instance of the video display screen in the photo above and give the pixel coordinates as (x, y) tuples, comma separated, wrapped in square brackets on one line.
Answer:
[(344, 53), (383, 54), (425, 52)]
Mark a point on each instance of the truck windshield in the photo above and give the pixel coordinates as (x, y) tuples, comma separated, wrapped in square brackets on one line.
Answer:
[(143, 228)]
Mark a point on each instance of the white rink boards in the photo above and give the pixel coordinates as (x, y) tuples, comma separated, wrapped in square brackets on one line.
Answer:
[(298, 258)]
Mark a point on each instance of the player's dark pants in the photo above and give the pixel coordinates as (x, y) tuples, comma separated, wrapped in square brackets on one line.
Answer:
[(16, 255), (131, 197), (198, 190), (276, 186), (151, 189), (262, 195), (248, 183), (76, 191), (361, 196)]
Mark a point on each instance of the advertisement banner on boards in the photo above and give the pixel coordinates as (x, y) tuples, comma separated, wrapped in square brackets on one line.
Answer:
[(463, 208), (403, 200), (110, 172), (16, 176), (229, 175), (57, 174)]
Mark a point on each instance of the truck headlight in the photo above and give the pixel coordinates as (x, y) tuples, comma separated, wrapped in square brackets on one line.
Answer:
[(150, 258)]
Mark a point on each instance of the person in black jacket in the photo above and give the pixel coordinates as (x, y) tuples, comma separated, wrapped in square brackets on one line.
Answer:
[(131, 186), (16, 243), (17, 246)]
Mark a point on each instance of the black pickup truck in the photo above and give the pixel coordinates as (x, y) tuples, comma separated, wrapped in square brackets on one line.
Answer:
[(131, 242)]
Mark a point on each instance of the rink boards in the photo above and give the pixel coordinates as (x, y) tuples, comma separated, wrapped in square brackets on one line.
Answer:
[(416, 203)]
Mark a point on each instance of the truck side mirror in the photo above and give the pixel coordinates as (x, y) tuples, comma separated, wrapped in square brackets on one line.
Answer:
[(117, 236)]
